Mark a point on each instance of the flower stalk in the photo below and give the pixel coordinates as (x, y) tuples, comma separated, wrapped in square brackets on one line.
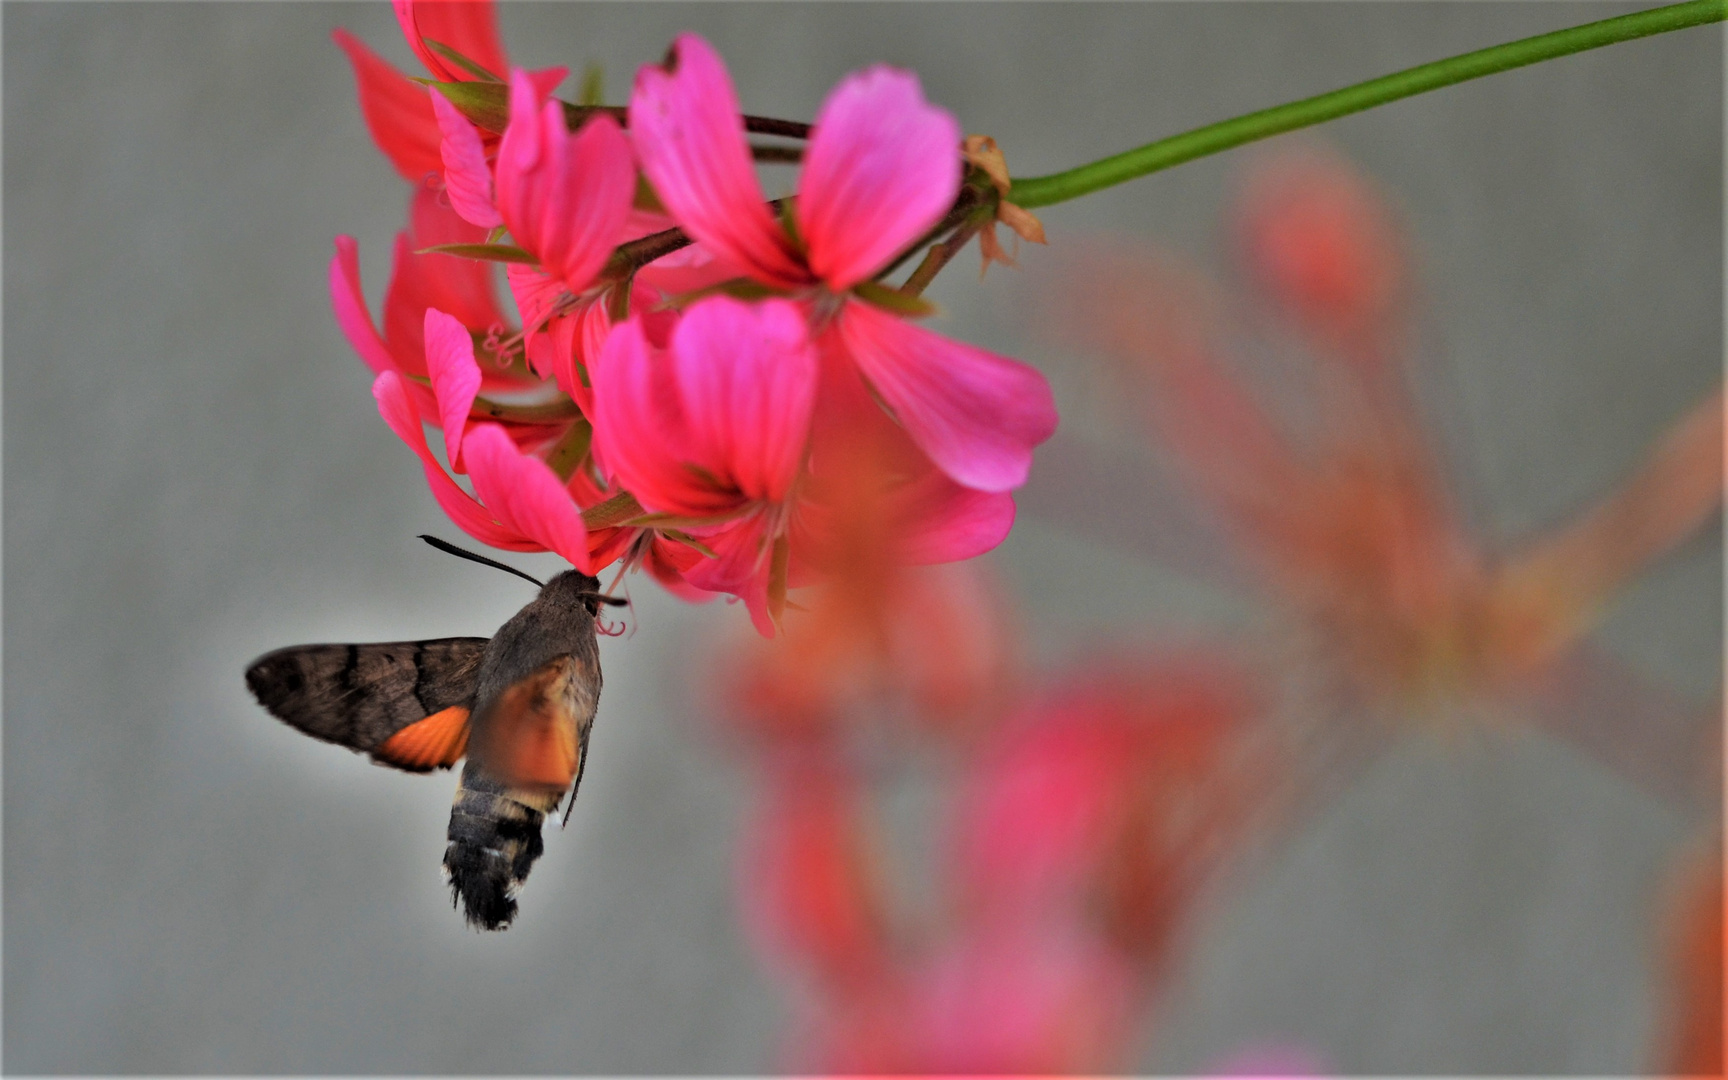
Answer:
[(1237, 131)]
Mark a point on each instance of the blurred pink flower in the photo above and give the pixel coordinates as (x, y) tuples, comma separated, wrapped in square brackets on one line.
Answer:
[(1347, 511)]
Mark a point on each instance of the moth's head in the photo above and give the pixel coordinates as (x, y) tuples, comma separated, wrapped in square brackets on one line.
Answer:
[(576, 587)]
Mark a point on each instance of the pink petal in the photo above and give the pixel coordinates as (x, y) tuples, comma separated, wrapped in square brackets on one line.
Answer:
[(667, 562), (746, 378), (1026, 998), (740, 567), (466, 178), (565, 197), (462, 287), (349, 304), (396, 111), (639, 426), (690, 136), (546, 80), (468, 26), (459, 287), (882, 168), (398, 410), (806, 882), (978, 415), (943, 522), (455, 378), (588, 341), (525, 494)]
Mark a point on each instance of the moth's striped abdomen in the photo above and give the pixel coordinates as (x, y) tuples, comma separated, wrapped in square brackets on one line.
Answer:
[(494, 840)]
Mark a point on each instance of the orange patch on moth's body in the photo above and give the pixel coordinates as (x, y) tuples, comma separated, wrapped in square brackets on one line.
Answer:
[(437, 742), (532, 738)]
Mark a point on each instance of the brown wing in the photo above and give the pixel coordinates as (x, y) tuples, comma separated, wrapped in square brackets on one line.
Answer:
[(535, 733), (361, 696)]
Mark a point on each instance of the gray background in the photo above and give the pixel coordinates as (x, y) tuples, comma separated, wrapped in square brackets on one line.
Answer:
[(195, 473)]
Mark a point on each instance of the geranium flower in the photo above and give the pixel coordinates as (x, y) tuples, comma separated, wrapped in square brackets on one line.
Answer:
[(881, 168), (519, 504), (397, 109), (461, 287), (710, 433)]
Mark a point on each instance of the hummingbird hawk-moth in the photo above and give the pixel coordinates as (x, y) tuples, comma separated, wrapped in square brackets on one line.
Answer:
[(519, 706)]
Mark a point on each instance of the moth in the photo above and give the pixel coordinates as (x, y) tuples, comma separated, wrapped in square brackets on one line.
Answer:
[(519, 706)]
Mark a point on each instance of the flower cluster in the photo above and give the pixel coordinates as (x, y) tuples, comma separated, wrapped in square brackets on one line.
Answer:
[(1087, 820), (692, 359)]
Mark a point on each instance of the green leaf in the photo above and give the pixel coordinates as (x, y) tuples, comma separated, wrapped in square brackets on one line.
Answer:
[(485, 104), (460, 61), (506, 253), (892, 299)]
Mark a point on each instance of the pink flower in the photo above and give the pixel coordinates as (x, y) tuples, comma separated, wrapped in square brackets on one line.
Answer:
[(807, 879), (461, 287), (1022, 999), (882, 168), (565, 197), (522, 504), (398, 111), (1112, 795), (467, 26), (711, 432)]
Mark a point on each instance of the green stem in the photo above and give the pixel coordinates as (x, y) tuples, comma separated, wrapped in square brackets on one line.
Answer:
[(1132, 164)]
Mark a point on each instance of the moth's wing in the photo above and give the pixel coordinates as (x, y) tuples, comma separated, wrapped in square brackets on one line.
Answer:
[(535, 733), (405, 702)]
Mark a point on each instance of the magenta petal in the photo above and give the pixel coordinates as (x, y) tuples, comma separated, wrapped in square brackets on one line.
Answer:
[(690, 137), (882, 168), (396, 110), (565, 197), (398, 410), (639, 428), (349, 304), (746, 377), (546, 80), (455, 378), (740, 567), (466, 178), (468, 26), (944, 522), (977, 415), (525, 494)]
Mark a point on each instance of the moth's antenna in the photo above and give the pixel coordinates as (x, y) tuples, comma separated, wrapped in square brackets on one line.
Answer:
[(452, 549)]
